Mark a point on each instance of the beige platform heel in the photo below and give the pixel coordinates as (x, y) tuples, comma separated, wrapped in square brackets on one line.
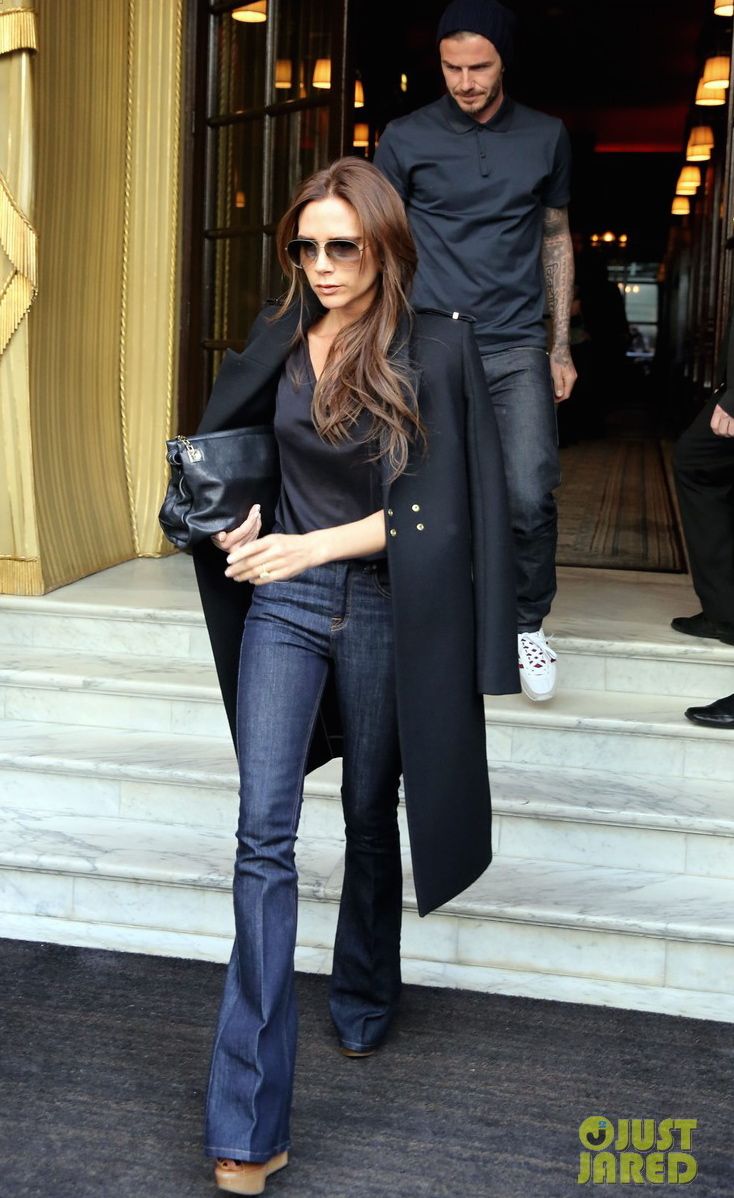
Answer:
[(247, 1177)]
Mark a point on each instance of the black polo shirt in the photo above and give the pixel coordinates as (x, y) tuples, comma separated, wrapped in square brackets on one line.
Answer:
[(475, 196)]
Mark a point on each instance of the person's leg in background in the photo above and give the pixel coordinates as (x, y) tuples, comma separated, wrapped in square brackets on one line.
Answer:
[(704, 474), (365, 983), (521, 391)]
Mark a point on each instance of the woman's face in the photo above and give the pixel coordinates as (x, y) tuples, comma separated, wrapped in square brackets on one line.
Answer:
[(347, 286)]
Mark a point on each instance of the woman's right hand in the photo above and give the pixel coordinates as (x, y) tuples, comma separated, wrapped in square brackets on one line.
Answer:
[(248, 531)]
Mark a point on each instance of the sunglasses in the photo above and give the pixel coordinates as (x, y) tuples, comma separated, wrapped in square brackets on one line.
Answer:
[(302, 251)]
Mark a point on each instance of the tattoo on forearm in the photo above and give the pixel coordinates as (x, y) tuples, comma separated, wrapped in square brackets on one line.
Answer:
[(558, 270)]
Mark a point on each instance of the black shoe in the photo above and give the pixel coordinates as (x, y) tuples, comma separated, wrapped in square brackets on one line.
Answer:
[(717, 715), (700, 625)]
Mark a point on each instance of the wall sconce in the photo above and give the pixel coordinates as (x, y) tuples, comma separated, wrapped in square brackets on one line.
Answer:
[(709, 97), (361, 135), (700, 144), (284, 73), (681, 206), (689, 181), (322, 73), (716, 71), (623, 239), (358, 94), (403, 83), (608, 237), (723, 8), (251, 14), (240, 199)]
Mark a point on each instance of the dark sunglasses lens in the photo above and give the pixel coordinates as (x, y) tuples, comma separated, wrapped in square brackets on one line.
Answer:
[(301, 252), (343, 251)]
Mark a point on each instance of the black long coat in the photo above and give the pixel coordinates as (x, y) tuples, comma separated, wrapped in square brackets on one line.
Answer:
[(452, 583)]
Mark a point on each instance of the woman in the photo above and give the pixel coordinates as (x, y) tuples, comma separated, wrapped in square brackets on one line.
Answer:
[(381, 610)]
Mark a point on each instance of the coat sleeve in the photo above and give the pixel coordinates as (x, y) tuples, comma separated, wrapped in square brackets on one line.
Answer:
[(492, 547)]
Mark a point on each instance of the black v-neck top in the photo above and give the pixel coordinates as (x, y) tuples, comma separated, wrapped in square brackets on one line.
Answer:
[(322, 484)]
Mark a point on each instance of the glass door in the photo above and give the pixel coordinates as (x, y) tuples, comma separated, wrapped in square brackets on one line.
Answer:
[(268, 109)]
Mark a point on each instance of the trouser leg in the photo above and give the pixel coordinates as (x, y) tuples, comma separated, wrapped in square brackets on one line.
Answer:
[(365, 982), (704, 475), (520, 388), (282, 673)]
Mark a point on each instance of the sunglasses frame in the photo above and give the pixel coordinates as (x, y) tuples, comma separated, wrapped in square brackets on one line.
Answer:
[(324, 245)]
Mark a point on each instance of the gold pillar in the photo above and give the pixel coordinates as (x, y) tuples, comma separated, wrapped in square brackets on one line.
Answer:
[(102, 330), (19, 564)]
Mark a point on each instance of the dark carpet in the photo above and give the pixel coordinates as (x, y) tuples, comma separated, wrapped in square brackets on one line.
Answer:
[(615, 507), (104, 1058)]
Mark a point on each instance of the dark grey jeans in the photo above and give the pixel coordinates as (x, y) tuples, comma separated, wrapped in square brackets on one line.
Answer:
[(521, 391)]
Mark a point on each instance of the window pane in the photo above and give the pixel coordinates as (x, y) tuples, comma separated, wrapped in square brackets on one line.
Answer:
[(238, 151), (240, 65), (237, 294), (300, 147), (304, 39)]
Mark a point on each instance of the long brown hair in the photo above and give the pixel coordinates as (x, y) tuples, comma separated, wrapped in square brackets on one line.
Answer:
[(361, 371)]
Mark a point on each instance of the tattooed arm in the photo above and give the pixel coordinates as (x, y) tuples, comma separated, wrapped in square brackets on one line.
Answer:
[(558, 269)]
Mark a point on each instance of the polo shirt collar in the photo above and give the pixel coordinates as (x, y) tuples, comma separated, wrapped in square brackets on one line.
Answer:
[(461, 122)]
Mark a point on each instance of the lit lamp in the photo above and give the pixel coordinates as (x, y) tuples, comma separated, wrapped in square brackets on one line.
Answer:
[(700, 144), (358, 94), (361, 135), (251, 14), (681, 206), (689, 181), (403, 82), (723, 8), (709, 97), (322, 73), (609, 237), (716, 72), (284, 73), (623, 239)]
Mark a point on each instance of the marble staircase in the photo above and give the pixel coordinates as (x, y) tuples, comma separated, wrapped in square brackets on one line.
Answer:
[(613, 879)]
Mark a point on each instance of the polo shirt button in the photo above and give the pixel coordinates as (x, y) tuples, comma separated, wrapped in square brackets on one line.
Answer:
[(416, 507), (389, 511), (420, 527), (393, 532)]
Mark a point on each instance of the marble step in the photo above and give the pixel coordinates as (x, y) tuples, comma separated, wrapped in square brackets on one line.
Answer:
[(611, 629), (172, 627), (677, 825), (633, 938), (619, 732), (647, 735)]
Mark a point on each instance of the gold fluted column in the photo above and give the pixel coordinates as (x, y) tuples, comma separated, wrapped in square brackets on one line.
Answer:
[(150, 296), (19, 554), (86, 471)]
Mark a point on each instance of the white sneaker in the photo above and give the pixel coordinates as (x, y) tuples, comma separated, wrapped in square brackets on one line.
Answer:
[(537, 663)]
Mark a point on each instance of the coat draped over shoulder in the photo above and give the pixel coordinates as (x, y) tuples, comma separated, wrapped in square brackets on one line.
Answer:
[(451, 570)]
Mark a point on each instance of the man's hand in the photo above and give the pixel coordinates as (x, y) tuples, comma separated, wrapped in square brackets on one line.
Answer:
[(563, 373), (722, 423)]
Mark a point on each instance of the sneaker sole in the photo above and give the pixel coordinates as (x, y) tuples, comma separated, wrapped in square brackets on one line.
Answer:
[(535, 698)]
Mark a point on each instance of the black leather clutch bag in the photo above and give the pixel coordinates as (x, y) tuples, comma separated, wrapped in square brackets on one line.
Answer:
[(215, 479)]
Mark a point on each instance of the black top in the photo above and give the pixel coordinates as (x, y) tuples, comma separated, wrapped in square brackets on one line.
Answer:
[(322, 484), (475, 195)]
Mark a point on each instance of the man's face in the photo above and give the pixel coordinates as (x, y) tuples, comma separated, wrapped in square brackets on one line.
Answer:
[(472, 69)]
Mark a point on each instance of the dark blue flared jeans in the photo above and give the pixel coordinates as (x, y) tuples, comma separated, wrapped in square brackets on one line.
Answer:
[(336, 618)]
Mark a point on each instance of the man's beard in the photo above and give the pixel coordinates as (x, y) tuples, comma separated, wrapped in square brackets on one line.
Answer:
[(479, 103)]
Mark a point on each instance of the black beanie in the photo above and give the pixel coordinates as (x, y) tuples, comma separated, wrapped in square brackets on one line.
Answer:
[(485, 17)]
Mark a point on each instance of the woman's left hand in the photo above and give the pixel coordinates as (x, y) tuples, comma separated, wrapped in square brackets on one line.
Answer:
[(273, 558)]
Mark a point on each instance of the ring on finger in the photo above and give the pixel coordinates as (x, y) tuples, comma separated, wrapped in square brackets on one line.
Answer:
[(264, 573)]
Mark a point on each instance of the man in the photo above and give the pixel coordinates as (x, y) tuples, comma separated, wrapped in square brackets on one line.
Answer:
[(704, 474), (485, 183)]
